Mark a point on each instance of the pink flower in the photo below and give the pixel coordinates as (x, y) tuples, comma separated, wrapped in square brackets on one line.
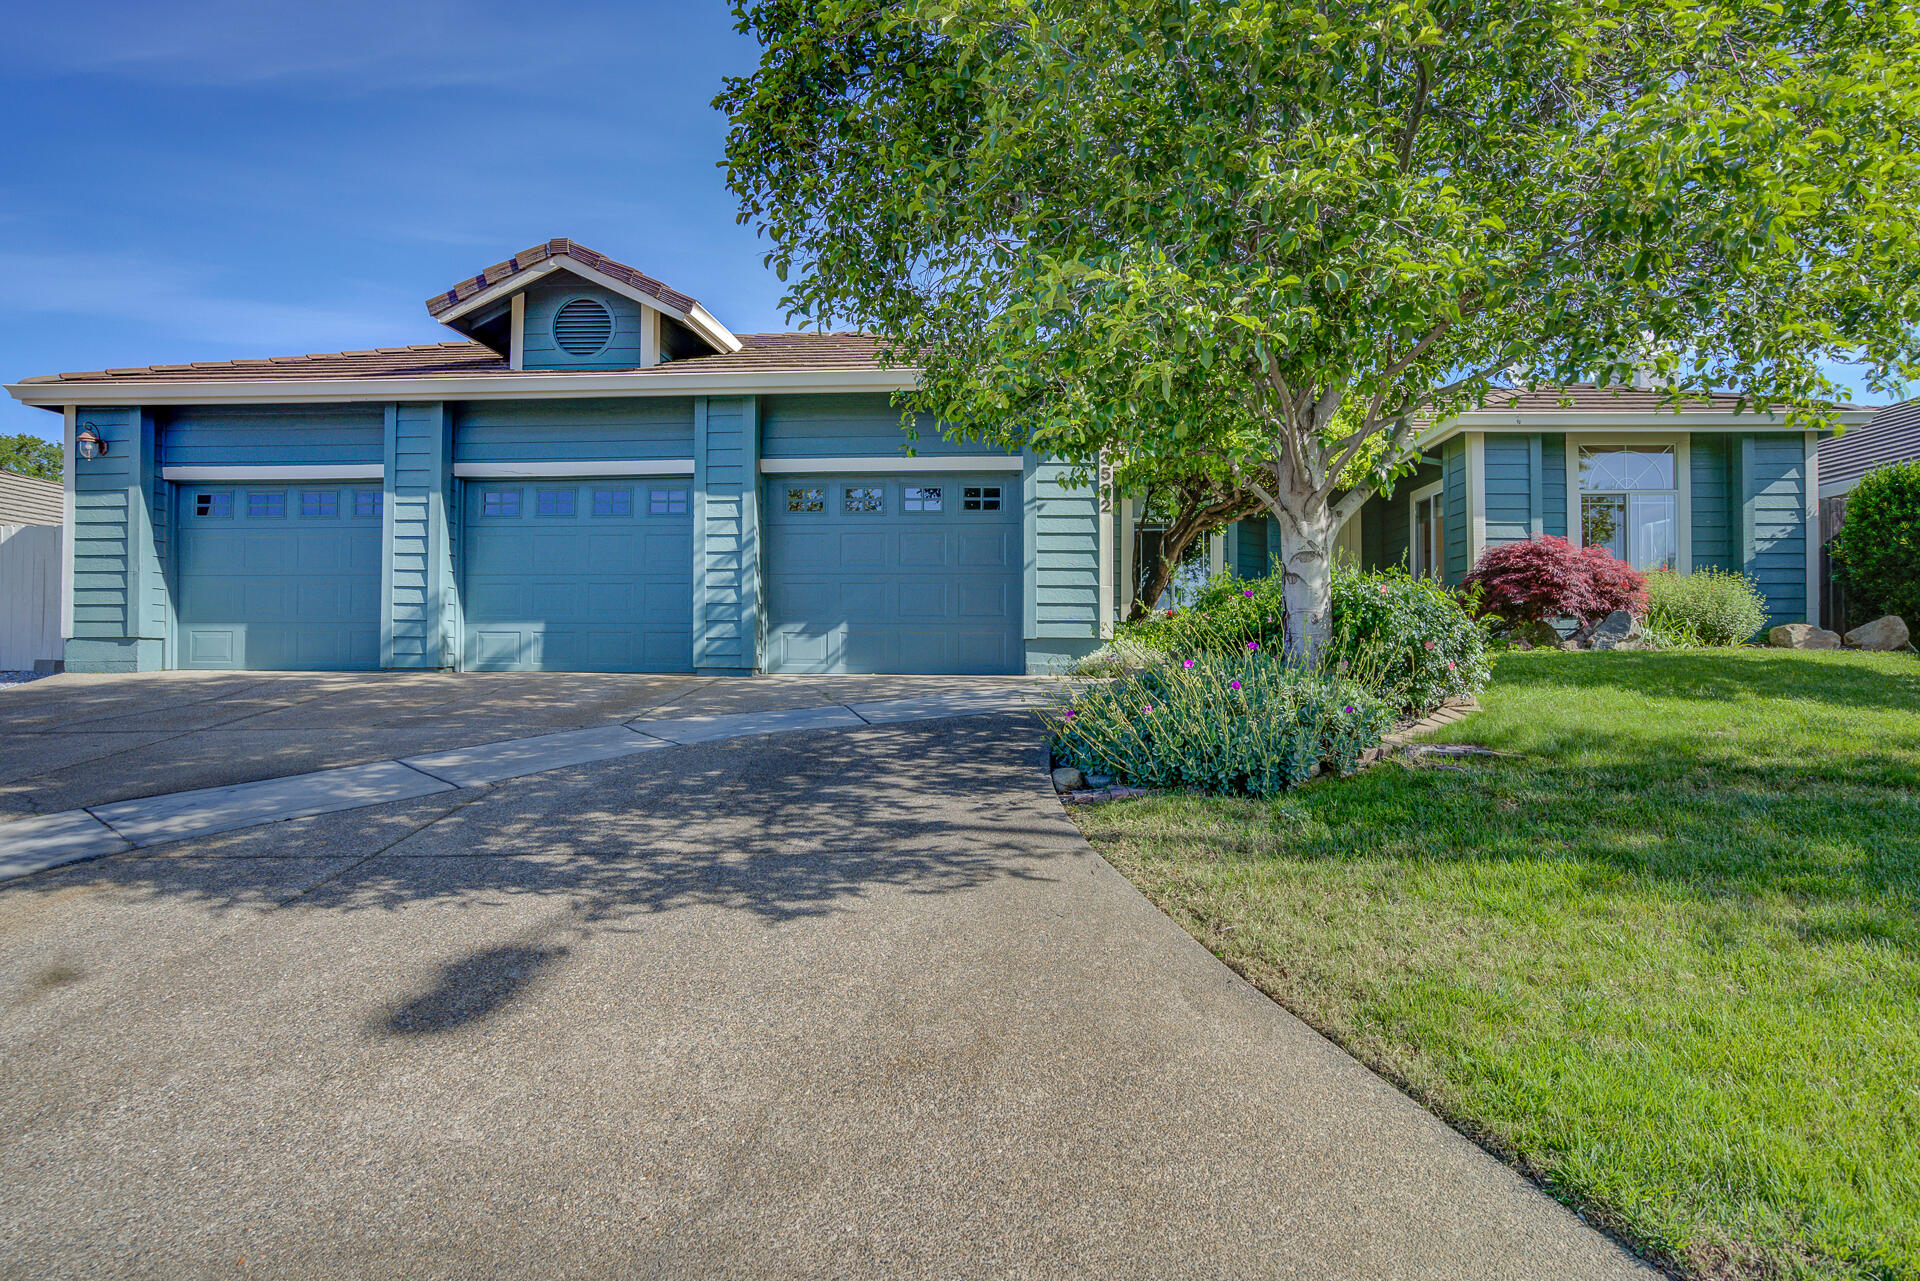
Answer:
[(1252, 646), (1429, 644), (1147, 708), (1170, 613), (1449, 666), (1188, 663), (1234, 684), (1383, 589), (1343, 665)]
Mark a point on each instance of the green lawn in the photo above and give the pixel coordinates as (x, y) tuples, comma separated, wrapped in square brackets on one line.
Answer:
[(1666, 958)]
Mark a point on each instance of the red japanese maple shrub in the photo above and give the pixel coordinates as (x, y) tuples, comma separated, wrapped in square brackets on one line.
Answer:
[(1546, 578)]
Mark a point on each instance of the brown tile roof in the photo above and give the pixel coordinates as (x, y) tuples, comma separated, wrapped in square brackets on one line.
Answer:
[(561, 247), (28, 500), (1590, 398), (758, 353)]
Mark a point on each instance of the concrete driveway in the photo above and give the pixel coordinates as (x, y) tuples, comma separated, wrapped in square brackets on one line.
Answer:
[(856, 1003)]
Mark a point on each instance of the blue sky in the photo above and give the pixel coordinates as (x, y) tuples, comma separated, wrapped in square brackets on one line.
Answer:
[(212, 179)]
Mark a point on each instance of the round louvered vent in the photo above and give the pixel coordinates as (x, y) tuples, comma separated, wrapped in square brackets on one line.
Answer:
[(583, 327)]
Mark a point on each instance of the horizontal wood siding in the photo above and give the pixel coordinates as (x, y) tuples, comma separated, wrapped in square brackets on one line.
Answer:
[(211, 435), (1774, 491), (1062, 553), (851, 424), (1715, 517), (726, 537), (1453, 463), (419, 568), (112, 534), (586, 430), (545, 298), (1510, 482), (1553, 484)]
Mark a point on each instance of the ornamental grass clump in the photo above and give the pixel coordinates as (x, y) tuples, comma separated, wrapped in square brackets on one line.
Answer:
[(1244, 724), (1707, 607)]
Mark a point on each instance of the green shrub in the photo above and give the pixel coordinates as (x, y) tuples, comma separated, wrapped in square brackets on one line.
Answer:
[(1706, 607), (1876, 555), (1408, 639), (1250, 723)]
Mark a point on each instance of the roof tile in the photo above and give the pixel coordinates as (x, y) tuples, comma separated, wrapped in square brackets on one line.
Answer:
[(526, 259)]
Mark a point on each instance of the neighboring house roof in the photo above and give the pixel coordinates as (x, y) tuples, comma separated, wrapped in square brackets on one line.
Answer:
[(1892, 436), (1574, 406), (440, 304), (28, 500)]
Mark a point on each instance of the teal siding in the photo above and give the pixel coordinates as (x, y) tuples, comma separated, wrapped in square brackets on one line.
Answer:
[(847, 425), (574, 430), (1510, 487), (546, 297), (727, 614), (1553, 484), (117, 623), (1061, 546), (419, 605), (270, 434), (1715, 516), (1250, 547), (1773, 471), (1453, 463)]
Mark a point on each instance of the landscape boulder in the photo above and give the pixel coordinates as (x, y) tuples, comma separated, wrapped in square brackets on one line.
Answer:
[(1615, 630), (1885, 634), (1068, 779), (1802, 636), (1534, 635)]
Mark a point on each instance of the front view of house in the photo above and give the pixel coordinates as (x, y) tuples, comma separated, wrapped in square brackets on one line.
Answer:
[(598, 477)]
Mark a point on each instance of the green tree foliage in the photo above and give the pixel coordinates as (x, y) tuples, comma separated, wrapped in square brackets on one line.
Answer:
[(1284, 235), (1877, 552), (26, 455)]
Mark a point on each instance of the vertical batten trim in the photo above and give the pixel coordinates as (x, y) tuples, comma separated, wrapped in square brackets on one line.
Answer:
[(753, 612), (1103, 508), (517, 340), (1129, 575), (649, 338), (1536, 485), (700, 471), (1476, 496), (1747, 533), (1029, 559), (1576, 532), (1810, 479), (1683, 500), (70, 416), (392, 420)]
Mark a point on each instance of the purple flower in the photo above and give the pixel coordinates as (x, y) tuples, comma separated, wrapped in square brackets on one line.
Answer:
[(1067, 717), (1348, 709), (1343, 665), (1248, 593), (1188, 663), (1147, 708), (1234, 684), (1252, 646)]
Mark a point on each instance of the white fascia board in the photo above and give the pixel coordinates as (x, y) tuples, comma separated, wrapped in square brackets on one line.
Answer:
[(576, 467), (886, 463), (277, 471), (698, 320), (651, 382), (1655, 422)]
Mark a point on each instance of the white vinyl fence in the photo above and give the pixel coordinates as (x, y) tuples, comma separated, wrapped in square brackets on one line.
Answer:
[(29, 595)]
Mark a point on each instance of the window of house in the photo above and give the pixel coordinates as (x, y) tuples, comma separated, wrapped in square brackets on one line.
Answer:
[(272, 504), (804, 498), (1429, 549), (500, 502), (865, 499), (553, 502), (366, 502), (980, 498), (613, 502), (215, 504), (322, 502), (1630, 503), (920, 498), (667, 502)]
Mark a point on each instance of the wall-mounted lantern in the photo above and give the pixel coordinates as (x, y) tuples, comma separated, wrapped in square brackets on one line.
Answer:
[(88, 443)]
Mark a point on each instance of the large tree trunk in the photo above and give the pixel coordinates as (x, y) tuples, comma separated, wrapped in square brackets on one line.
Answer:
[(1307, 529)]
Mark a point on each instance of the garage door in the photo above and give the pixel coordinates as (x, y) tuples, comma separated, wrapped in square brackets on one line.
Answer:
[(894, 574), (577, 576), (282, 577)]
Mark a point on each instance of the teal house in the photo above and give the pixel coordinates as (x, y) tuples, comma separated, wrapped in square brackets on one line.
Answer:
[(1611, 466), (594, 475)]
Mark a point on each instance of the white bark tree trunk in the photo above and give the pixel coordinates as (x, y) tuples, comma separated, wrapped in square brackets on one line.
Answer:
[(1307, 529)]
